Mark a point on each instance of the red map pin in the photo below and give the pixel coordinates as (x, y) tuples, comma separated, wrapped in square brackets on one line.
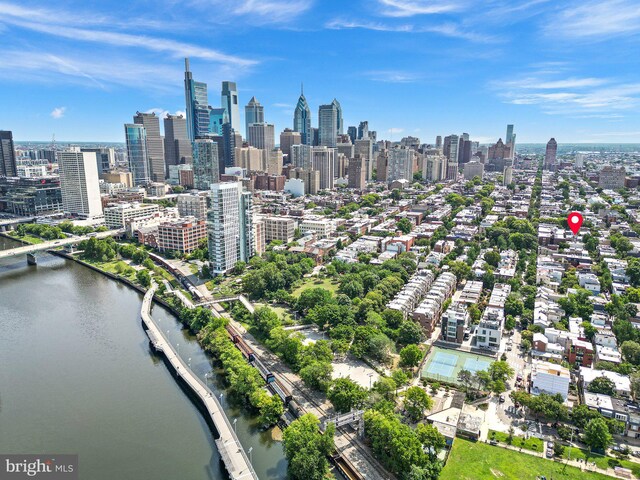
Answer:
[(575, 222)]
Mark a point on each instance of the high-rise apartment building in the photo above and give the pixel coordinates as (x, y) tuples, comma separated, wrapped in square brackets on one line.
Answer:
[(323, 160), (310, 178), (230, 226), (340, 121), (155, 148), (328, 125), (363, 130), (450, 150), (434, 168), (301, 156), (302, 120), (400, 164), (507, 175), (509, 136), (253, 113), (611, 178), (206, 169), (136, 139), (273, 161), (364, 148), (197, 104), (250, 158), (79, 184), (231, 139), (8, 166), (177, 146), (217, 118), (357, 173), (229, 100), (473, 169), (439, 141), (382, 164), (288, 138), (261, 135), (550, 154)]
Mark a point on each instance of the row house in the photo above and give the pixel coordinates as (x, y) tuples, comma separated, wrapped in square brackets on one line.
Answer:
[(428, 312)]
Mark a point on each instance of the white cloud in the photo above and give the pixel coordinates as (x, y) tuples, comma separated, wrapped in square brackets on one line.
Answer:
[(395, 130), (596, 19), (58, 112), (254, 11), (409, 8), (392, 76)]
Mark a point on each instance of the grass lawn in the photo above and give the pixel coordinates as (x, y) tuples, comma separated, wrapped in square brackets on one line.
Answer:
[(315, 282), (480, 461), (532, 443), (601, 461), (29, 239)]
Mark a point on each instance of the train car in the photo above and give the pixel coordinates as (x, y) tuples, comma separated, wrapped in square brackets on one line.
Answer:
[(296, 410), (233, 333), (246, 351), (345, 467), (264, 371), (281, 391)]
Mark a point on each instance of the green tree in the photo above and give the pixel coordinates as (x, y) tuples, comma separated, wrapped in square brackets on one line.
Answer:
[(265, 320), (307, 449), (143, 278), (410, 333), (513, 305), (404, 225), (602, 385), (386, 387), (410, 356), (597, 435), (346, 395), (313, 297), (631, 352), (492, 258), (317, 375), (416, 401)]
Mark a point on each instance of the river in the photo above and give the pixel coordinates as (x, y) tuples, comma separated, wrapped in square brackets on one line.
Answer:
[(77, 376)]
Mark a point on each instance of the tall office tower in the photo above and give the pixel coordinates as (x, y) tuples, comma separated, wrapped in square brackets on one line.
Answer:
[(382, 162), (8, 166), (232, 140), (79, 184), (450, 150), (288, 138), (315, 135), (274, 161), (219, 141), (261, 135), (229, 100), (301, 156), (400, 164), (206, 169), (463, 137), (345, 148), (105, 158), (357, 173), (217, 118), (464, 155), (340, 121), (302, 120), (328, 125), (253, 113), (155, 148), (550, 155), (353, 134), (509, 136), (373, 135), (364, 148), (363, 130), (229, 226), (197, 103), (177, 146), (323, 160), (439, 141), (136, 138)]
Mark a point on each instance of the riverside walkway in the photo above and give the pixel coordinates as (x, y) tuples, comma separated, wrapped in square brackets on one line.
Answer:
[(233, 455)]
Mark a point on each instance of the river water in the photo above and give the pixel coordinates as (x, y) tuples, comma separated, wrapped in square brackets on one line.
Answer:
[(77, 376)]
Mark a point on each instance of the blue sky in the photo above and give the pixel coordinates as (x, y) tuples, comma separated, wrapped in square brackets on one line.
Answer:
[(568, 69)]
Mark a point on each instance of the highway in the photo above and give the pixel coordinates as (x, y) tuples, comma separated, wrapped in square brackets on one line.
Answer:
[(39, 247)]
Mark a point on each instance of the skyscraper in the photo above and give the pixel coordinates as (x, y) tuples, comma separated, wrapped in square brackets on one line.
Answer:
[(301, 156), (105, 158), (363, 130), (261, 135), (177, 146), (8, 167), (229, 100), (136, 138), (328, 125), (323, 160), (400, 164), (232, 140), (79, 184), (364, 148), (206, 169), (155, 148), (253, 113), (439, 141), (357, 173), (197, 104), (340, 126), (509, 136), (353, 134), (288, 138), (450, 150), (217, 118), (302, 120), (550, 154), (230, 226)]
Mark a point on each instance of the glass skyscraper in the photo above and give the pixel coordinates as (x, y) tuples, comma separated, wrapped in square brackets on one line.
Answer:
[(197, 104), (229, 99), (205, 163), (136, 137), (302, 120)]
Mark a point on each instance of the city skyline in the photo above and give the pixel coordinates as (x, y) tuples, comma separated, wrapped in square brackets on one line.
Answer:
[(554, 71)]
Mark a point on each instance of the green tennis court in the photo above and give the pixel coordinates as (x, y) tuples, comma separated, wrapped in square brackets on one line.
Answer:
[(444, 365)]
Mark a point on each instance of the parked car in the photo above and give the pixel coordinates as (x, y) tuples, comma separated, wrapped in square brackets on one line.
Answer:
[(549, 453), (636, 453), (501, 398)]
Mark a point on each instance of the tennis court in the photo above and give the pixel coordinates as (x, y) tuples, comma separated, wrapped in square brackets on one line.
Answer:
[(444, 365)]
